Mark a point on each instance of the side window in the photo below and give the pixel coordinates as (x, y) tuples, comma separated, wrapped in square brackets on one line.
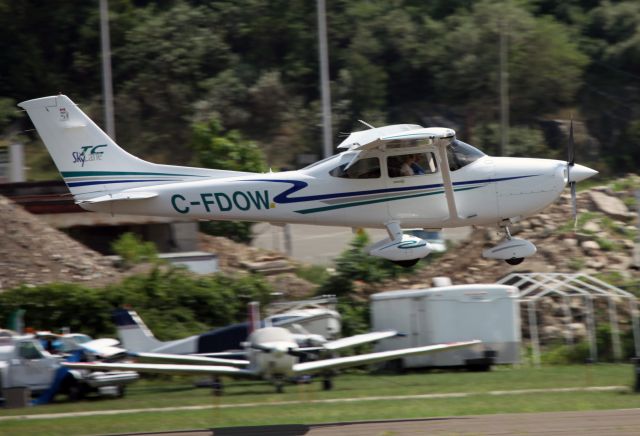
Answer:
[(414, 164), (363, 169), (27, 350)]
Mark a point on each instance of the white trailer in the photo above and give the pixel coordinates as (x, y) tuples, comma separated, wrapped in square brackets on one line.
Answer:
[(447, 314)]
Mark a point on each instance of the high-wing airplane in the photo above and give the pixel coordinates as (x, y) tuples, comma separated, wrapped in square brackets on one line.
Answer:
[(274, 355), (397, 177)]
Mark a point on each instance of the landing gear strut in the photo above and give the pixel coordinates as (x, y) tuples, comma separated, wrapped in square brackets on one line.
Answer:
[(513, 260)]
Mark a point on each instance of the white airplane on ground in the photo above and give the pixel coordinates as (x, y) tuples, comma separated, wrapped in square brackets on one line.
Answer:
[(396, 177), (139, 341), (274, 355)]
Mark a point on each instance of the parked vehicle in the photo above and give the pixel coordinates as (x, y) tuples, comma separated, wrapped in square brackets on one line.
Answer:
[(487, 312), (24, 363)]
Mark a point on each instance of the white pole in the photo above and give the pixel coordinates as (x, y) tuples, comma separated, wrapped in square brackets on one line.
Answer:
[(327, 135), (533, 333), (504, 88), (107, 87)]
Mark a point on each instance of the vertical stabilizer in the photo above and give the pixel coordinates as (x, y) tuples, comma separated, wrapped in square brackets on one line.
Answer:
[(90, 162), (134, 335)]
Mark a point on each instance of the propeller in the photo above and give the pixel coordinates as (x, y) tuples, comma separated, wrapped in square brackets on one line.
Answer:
[(571, 161)]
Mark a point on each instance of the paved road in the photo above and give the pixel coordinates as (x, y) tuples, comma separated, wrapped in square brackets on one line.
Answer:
[(321, 244), (592, 423)]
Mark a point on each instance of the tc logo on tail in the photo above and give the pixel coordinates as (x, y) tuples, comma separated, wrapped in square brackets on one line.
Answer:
[(81, 156)]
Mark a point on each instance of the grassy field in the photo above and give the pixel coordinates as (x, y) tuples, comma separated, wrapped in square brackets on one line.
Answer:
[(302, 403)]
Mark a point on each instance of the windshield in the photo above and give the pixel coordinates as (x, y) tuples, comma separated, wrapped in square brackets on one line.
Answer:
[(461, 154)]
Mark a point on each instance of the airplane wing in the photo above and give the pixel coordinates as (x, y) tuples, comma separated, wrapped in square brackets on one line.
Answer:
[(403, 135), (352, 341), (162, 368), (189, 358), (363, 359)]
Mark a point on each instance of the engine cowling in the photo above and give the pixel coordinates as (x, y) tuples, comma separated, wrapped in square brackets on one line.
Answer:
[(408, 247)]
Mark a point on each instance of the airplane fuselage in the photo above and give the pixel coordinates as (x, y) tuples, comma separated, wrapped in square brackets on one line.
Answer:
[(487, 191)]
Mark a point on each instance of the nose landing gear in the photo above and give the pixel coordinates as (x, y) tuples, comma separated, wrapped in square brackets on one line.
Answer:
[(511, 250)]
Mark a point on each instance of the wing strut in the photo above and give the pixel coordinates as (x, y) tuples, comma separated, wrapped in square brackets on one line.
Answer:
[(446, 181)]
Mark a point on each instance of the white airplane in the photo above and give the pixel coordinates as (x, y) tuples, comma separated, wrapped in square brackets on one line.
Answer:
[(397, 177), (139, 341), (274, 355)]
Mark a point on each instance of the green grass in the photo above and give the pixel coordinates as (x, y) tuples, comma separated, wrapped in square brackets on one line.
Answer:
[(179, 392)]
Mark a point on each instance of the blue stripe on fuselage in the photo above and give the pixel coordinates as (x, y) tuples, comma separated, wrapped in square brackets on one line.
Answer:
[(298, 185)]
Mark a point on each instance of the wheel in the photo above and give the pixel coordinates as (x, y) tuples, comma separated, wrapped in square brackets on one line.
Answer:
[(515, 260), (327, 384), (406, 263), (74, 390)]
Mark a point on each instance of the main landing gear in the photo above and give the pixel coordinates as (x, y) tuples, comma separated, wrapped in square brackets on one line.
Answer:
[(400, 248), (511, 250)]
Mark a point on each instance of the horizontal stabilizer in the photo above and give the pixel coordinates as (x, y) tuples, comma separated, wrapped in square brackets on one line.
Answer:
[(136, 195), (161, 368)]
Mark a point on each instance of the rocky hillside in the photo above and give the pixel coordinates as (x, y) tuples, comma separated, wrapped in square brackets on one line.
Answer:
[(32, 252)]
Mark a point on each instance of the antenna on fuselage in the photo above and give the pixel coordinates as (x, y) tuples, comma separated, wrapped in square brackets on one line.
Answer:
[(366, 124)]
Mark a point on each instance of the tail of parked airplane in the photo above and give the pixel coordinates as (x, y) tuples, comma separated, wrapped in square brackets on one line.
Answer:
[(134, 335), (92, 165)]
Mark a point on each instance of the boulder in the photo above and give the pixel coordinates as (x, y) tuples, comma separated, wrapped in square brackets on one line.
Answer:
[(609, 205)]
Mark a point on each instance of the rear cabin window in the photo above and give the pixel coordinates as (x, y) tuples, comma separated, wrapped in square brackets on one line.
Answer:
[(412, 164), (368, 168)]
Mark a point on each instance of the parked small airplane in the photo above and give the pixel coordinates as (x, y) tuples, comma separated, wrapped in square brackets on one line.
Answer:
[(274, 355), (312, 326), (396, 177)]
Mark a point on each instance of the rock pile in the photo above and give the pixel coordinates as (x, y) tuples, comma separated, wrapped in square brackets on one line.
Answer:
[(277, 269), (32, 252)]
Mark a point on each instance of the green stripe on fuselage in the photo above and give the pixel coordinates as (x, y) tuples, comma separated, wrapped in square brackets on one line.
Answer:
[(379, 200), (120, 173)]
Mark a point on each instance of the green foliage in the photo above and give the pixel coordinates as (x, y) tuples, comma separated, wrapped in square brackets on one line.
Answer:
[(313, 273), (133, 250), (57, 305), (174, 303), (356, 265), (566, 354), (523, 141), (217, 149)]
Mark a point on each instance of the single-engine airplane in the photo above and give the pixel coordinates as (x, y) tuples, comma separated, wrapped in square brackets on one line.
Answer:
[(397, 177), (274, 355)]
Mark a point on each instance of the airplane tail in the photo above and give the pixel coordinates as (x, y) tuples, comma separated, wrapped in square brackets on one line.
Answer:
[(134, 335), (90, 162)]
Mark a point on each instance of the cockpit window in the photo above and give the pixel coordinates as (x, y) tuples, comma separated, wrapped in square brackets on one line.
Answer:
[(461, 154), (363, 169)]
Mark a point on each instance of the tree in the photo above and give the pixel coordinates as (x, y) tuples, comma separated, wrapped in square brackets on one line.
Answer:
[(544, 63)]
